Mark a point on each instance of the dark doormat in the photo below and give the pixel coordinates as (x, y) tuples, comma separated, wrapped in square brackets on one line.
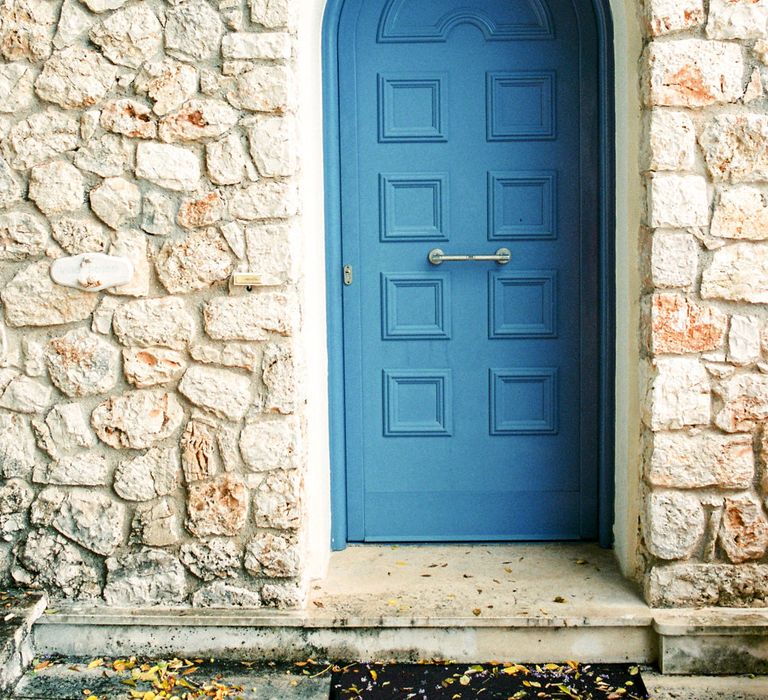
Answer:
[(488, 681)]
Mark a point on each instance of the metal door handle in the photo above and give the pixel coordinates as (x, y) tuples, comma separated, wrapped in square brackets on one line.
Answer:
[(501, 256)]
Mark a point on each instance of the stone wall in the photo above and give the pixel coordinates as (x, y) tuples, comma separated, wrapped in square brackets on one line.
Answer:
[(150, 434), (705, 326)]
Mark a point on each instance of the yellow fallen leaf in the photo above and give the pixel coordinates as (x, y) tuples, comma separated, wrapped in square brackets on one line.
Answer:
[(42, 665), (96, 663)]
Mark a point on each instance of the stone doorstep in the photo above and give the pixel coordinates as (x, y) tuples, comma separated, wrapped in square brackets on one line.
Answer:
[(16, 621)]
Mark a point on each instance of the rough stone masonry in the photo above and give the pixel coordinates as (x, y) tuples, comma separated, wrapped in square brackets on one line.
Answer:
[(151, 434)]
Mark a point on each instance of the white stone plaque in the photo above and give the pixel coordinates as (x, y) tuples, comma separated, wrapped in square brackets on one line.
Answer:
[(92, 272)]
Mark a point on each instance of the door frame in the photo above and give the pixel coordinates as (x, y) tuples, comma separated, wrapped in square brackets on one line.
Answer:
[(334, 274)]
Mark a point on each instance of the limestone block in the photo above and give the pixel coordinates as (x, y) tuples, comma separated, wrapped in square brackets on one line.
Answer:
[(673, 525), (39, 138), (102, 317), (158, 214), (279, 376), (271, 444), (703, 585), (88, 517), (667, 16), (74, 23), (137, 419), (741, 212), (104, 5), (235, 237), (212, 559), (241, 355), (198, 452), (17, 93), (743, 529), (86, 469), (738, 19), (75, 77), (679, 325), (82, 363), (172, 167), (10, 189), (129, 36), (256, 45), (273, 142), (79, 236), (269, 249), (202, 210), (132, 245), (64, 430), (116, 201), (677, 201), (15, 498), (144, 577), (679, 394), (277, 501), (22, 236), (671, 140), (264, 89), (692, 73), (266, 199), (735, 147), (17, 446), (153, 474), (147, 367), (225, 160), (198, 119), (106, 156), (745, 402), (250, 317), (168, 83), (128, 117), (223, 595), (156, 524), (284, 595), (26, 29), (193, 31), (223, 392), (53, 563), (26, 395), (274, 13), (744, 340), (272, 555), (56, 187), (217, 507), (163, 321), (195, 262), (737, 272)]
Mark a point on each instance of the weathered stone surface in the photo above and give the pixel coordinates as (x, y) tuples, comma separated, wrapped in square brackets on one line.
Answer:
[(223, 595), (201, 211), (745, 402), (51, 562), (702, 585), (164, 322), (75, 77), (116, 201), (737, 19), (153, 474), (269, 249), (10, 189), (168, 83), (744, 340), (741, 212), (273, 13), (26, 29), (678, 395), (40, 137), (737, 272), (82, 363), (264, 89), (64, 430), (15, 498), (144, 577), (158, 214), (225, 160), (130, 36), (273, 142), (17, 446), (90, 518), (276, 503), (246, 46), (86, 469), (250, 317), (223, 392), (212, 559), (104, 5), (235, 237), (198, 451), (217, 507), (744, 529), (172, 167), (78, 236), (17, 91), (279, 377), (22, 236), (284, 595), (679, 325), (146, 367), (667, 16), (735, 147), (137, 419), (677, 201), (130, 118), (266, 199), (102, 317), (26, 395), (157, 523), (56, 187), (132, 245), (674, 523), (195, 262), (272, 555), (198, 119), (107, 156), (74, 24), (242, 355), (271, 444), (700, 460), (193, 31), (692, 73)]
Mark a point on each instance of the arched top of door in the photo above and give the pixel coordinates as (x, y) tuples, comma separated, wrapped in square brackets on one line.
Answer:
[(417, 21)]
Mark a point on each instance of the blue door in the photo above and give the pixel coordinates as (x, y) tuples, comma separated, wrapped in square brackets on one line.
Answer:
[(469, 220)]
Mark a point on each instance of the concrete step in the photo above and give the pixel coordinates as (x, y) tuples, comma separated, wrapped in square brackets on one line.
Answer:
[(661, 687), (18, 612)]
